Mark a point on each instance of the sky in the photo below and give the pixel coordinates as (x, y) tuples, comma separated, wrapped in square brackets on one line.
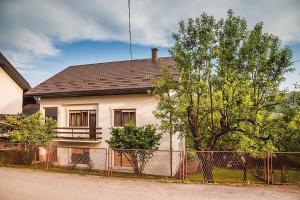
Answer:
[(42, 37)]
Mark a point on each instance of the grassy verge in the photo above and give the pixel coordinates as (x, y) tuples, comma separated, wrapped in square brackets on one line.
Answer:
[(225, 175), (288, 176)]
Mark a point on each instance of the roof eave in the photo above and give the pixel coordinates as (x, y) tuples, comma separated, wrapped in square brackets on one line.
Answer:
[(13, 73), (91, 93)]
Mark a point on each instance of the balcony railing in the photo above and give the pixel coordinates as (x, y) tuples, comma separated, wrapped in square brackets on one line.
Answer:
[(78, 133)]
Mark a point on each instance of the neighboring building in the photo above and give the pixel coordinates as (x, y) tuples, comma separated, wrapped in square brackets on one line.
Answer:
[(12, 89), (88, 100)]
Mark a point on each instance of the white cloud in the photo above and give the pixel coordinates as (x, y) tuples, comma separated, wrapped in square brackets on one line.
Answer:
[(31, 29)]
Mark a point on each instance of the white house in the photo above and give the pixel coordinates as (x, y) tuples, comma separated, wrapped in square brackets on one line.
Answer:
[(88, 100), (12, 88)]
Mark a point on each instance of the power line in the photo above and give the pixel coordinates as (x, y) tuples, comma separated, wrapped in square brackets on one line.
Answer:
[(129, 27)]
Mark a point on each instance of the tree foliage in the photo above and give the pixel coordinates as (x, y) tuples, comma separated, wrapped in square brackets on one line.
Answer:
[(33, 129), (286, 126)]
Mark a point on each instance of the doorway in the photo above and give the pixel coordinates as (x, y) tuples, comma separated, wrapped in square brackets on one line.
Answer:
[(92, 123)]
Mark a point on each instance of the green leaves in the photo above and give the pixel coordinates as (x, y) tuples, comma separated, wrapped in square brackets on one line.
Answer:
[(229, 78), (33, 129), (132, 137)]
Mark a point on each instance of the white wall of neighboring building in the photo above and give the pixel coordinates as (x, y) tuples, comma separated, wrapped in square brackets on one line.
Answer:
[(144, 104), (11, 95)]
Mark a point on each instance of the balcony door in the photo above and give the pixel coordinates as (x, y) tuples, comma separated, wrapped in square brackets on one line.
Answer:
[(92, 124)]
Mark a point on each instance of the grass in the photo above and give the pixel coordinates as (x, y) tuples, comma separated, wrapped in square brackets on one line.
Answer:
[(289, 176), (224, 175)]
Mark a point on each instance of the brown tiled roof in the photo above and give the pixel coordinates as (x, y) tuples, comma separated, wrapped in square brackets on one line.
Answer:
[(13, 73), (121, 77)]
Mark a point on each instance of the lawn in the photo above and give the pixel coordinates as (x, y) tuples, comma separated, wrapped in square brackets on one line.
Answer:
[(290, 176), (224, 175)]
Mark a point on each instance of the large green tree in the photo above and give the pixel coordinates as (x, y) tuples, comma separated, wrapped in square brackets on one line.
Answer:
[(227, 85)]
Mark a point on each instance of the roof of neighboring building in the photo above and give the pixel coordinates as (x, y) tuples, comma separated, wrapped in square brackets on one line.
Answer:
[(13, 73), (121, 77), (30, 109)]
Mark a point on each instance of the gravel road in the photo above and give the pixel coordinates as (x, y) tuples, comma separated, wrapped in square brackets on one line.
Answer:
[(23, 184)]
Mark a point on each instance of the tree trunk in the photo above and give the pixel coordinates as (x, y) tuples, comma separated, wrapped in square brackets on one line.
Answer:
[(206, 159), (135, 162), (194, 128), (244, 162)]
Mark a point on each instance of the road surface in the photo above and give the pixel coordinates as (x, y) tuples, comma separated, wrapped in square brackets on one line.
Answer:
[(23, 184)]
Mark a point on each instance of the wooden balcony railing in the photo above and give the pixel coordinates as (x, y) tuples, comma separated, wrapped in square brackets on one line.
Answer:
[(77, 133)]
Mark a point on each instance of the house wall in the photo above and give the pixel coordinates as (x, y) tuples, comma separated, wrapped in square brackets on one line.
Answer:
[(144, 104), (11, 95)]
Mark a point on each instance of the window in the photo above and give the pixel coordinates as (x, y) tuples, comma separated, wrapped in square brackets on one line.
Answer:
[(78, 118), (51, 112), (80, 156), (123, 116)]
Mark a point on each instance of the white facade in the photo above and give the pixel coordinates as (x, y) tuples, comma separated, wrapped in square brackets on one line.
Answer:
[(11, 95), (143, 104)]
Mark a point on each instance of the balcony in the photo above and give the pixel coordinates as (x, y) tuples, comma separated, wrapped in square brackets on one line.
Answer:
[(78, 134)]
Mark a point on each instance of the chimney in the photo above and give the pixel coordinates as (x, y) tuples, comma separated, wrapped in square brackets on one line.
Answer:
[(154, 55)]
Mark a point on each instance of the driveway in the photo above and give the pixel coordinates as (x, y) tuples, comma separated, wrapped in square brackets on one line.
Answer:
[(23, 184)]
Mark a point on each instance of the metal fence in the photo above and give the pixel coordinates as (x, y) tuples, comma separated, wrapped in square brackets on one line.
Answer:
[(204, 166)]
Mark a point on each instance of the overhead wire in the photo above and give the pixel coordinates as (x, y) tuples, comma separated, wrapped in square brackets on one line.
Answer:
[(130, 39)]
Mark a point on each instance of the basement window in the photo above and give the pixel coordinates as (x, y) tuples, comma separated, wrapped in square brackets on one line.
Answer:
[(80, 156)]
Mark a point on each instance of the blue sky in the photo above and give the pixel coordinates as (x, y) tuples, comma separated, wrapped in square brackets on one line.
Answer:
[(43, 37)]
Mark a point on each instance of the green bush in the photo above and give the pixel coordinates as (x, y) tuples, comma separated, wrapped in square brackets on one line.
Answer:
[(139, 142)]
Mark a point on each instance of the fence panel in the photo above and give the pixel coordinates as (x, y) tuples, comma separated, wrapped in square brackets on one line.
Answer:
[(23, 155), (78, 159), (225, 166), (195, 166), (146, 163), (285, 168)]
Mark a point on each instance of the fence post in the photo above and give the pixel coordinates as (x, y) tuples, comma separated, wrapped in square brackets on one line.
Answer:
[(265, 167), (271, 166), (268, 167), (184, 164), (171, 163), (34, 158), (109, 162), (47, 158), (106, 162)]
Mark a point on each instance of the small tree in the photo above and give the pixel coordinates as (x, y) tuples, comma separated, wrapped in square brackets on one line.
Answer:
[(139, 141), (33, 129)]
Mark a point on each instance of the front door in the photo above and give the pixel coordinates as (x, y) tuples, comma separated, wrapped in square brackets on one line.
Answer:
[(92, 123)]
